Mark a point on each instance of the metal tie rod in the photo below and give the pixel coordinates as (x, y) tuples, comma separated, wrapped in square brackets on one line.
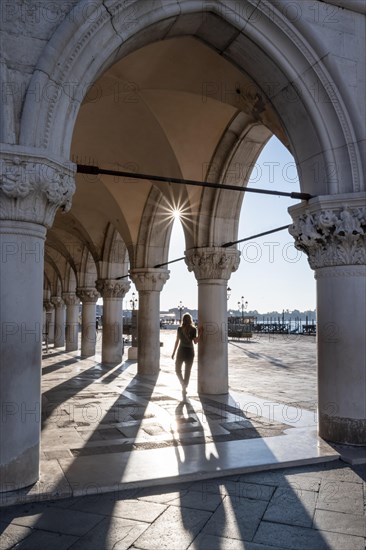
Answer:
[(95, 170), (226, 245)]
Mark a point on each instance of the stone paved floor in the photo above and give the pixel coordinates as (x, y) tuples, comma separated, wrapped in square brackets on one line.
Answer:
[(94, 413)]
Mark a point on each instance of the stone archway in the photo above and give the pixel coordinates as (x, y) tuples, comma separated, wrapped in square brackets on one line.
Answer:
[(104, 36), (310, 105)]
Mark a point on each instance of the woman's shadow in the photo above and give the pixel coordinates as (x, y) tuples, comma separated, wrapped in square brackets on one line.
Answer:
[(196, 505)]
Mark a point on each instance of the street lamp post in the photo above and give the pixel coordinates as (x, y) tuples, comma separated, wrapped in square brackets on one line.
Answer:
[(134, 327), (241, 306), (133, 302), (228, 293), (180, 309)]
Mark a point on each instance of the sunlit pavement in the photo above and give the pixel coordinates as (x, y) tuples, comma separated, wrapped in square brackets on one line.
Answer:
[(147, 470)]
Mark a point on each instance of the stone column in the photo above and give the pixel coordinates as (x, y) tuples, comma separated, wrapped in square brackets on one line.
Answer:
[(149, 283), (44, 320), (331, 231), (59, 304), (72, 320), (88, 297), (212, 267), (112, 292), (50, 322), (47, 320), (31, 189)]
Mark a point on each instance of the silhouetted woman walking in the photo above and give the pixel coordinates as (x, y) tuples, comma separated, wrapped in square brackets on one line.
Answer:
[(186, 336)]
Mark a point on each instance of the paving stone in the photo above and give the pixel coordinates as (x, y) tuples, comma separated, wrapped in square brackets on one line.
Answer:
[(111, 534), (211, 542), (341, 496), (291, 507), (109, 505), (302, 538), (57, 453), (11, 534), (236, 489), (163, 496), (236, 519), (43, 540), (339, 522), (174, 529), (198, 500), (298, 482), (51, 519), (344, 473), (110, 433)]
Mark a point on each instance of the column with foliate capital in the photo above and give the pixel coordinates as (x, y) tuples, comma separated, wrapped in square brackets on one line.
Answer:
[(72, 320), (212, 267), (331, 231), (149, 283), (112, 292), (32, 188), (88, 297)]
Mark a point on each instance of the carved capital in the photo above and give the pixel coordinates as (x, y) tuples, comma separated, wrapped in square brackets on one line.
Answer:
[(110, 288), (331, 232), (48, 305), (87, 294), (57, 301), (149, 279), (70, 299), (212, 262), (33, 187)]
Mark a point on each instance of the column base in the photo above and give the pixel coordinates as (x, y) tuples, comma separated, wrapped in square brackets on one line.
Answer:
[(348, 431), (132, 353), (21, 472)]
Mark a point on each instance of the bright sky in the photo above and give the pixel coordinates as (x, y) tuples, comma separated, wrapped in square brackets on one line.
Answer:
[(272, 274)]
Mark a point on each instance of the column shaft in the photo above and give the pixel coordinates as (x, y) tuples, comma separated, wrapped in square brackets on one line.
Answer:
[(212, 349), (112, 346), (59, 322), (88, 329), (149, 283), (148, 338), (50, 324), (72, 320), (21, 317), (112, 292), (341, 326), (89, 297)]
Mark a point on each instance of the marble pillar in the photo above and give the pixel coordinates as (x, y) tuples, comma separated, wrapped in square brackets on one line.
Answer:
[(88, 297), (149, 283), (31, 190), (132, 350), (112, 292), (212, 267), (50, 322), (331, 231), (72, 320), (59, 334)]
